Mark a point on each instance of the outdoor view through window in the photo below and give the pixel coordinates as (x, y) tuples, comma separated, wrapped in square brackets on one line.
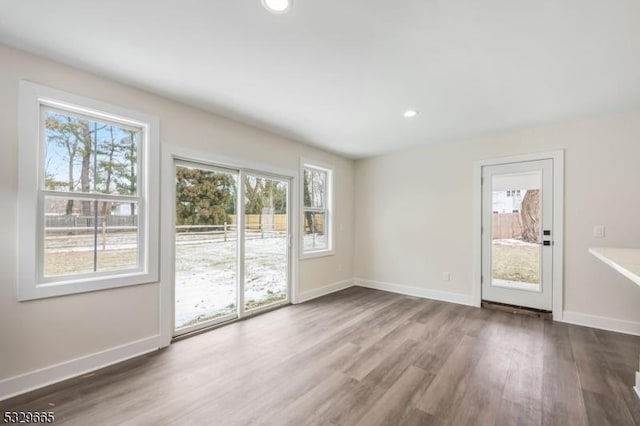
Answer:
[(516, 254), (90, 195), (208, 281), (316, 212)]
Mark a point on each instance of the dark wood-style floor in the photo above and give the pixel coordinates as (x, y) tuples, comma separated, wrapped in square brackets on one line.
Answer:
[(366, 357)]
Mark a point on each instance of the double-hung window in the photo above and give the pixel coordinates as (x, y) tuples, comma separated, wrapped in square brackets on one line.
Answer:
[(87, 195), (317, 220)]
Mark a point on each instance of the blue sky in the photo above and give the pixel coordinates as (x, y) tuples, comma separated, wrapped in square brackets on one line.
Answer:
[(57, 155)]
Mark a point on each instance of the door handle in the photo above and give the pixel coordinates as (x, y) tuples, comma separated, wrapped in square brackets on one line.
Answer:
[(545, 243)]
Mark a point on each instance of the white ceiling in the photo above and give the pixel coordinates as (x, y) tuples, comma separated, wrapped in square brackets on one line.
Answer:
[(338, 74)]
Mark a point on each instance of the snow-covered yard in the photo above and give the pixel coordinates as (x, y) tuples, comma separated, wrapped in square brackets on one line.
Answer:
[(314, 241), (205, 277), (206, 267)]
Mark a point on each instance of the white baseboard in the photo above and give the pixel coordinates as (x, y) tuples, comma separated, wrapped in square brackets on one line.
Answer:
[(445, 296), (56, 373), (322, 291), (604, 323), (76, 367)]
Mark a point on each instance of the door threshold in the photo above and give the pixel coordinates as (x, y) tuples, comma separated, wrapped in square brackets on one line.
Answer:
[(518, 310), (197, 331), (263, 310)]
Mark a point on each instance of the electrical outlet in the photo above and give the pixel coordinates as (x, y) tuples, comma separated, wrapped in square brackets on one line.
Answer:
[(446, 276), (598, 231)]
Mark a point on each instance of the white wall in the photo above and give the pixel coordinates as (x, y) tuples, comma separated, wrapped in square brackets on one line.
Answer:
[(41, 333), (412, 218), (414, 212)]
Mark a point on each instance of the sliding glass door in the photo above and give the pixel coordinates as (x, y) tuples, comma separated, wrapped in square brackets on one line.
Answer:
[(206, 246), (231, 259), (266, 241)]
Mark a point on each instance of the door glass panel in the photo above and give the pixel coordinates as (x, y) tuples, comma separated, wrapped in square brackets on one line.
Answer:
[(515, 235), (206, 256), (266, 252)]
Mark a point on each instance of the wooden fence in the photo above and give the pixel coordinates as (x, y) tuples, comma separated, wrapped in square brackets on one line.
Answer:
[(257, 226), (77, 221), (275, 222), (507, 226)]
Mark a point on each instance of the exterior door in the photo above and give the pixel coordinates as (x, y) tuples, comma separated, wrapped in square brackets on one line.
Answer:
[(206, 246), (517, 234), (232, 244), (266, 242)]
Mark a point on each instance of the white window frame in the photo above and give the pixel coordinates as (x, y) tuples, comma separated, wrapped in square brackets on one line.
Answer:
[(30, 283), (329, 225)]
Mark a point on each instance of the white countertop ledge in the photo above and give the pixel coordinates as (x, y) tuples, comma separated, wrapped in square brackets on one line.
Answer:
[(624, 260)]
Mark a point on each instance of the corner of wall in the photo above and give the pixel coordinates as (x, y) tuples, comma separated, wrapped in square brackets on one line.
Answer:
[(305, 296), (603, 323)]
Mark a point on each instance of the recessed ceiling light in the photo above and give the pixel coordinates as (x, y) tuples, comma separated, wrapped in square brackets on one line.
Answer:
[(277, 6), (410, 113)]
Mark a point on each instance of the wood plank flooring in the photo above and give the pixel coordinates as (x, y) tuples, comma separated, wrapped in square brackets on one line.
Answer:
[(365, 357)]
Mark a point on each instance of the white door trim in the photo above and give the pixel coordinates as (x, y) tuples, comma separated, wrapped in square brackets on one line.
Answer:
[(558, 222)]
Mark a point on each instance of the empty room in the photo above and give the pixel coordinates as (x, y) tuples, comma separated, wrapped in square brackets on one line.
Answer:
[(287, 212)]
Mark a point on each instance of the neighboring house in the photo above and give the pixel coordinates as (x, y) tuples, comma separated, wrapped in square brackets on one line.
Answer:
[(509, 201)]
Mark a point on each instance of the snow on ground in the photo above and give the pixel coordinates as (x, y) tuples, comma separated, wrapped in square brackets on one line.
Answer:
[(205, 268), (314, 241), (513, 242), (206, 276)]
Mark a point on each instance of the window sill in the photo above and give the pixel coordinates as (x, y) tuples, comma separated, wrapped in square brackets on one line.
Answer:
[(65, 288), (317, 254)]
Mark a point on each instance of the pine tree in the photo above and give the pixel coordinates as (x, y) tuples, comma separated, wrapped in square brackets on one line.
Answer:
[(203, 197)]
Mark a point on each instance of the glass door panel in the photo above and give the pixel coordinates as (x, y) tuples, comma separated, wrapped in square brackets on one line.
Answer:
[(516, 235), (206, 246), (266, 241)]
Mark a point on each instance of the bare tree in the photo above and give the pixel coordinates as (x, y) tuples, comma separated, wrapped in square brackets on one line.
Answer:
[(85, 137), (109, 148), (61, 132), (124, 171), (530, 214), (132, 157)]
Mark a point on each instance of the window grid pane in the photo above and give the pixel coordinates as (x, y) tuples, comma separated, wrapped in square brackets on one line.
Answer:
[(315, 182), (88, 155), (104, 239), (315, 231), (316, 204)]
